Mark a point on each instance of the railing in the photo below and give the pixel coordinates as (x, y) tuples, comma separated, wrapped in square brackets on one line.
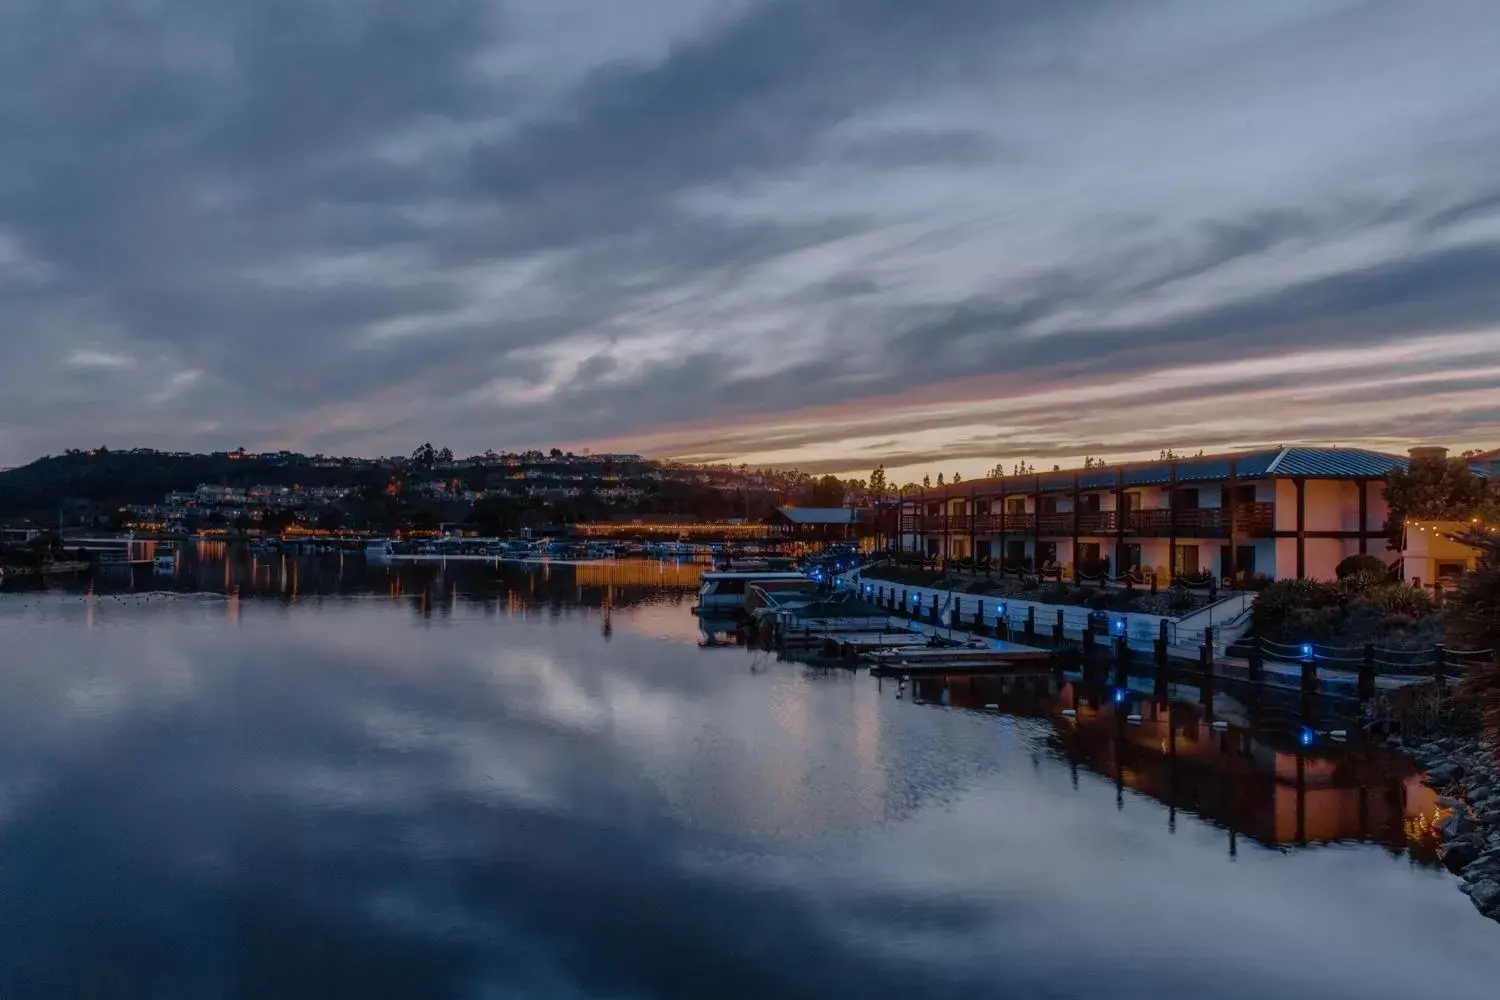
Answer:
[(1251, 520)]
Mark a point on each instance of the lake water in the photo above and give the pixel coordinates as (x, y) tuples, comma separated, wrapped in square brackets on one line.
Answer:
[(324, 779)]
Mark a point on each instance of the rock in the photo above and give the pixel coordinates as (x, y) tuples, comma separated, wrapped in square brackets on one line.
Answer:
[(1445, 773), (1486, 896), (1448, 803), (1490, 818), (1455, 826), (1459, 854)]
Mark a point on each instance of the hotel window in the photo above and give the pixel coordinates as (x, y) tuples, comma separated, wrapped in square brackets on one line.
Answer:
[(1015, 552), (1088, 554), (1132, 501), (1185, 499), (1046, 505), (981, 507), (1088, 503), (1015, 505), (1046, 552), (1132, 556), (1186, 560), (982, 549), (1244, 559)]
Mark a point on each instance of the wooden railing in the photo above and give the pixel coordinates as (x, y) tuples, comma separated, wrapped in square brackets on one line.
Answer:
[(1252, 520)]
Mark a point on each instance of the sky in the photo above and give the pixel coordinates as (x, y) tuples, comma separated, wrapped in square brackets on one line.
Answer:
[(827, 234)]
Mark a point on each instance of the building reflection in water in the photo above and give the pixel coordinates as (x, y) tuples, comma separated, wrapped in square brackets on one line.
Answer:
[(1258, 784)]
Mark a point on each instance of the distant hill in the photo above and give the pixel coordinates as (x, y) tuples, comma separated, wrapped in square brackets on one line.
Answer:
[(110, 479)]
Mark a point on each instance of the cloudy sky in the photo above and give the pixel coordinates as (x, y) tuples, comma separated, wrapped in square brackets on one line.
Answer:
[(829, 233)]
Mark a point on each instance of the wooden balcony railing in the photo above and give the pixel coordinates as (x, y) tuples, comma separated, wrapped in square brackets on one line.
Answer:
[(1252, 520)]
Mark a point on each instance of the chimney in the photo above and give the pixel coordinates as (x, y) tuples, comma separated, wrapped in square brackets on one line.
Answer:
[(1432, 451)]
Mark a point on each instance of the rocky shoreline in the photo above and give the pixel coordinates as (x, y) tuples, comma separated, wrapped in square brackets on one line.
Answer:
[(1466, 774)]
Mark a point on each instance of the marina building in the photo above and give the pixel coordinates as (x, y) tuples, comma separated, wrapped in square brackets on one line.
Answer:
[(1281, 512)]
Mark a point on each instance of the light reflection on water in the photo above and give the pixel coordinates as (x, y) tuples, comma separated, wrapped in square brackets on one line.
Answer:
[(341, 780)]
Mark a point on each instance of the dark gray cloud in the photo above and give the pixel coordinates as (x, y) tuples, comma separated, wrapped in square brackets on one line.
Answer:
[(353, 225)]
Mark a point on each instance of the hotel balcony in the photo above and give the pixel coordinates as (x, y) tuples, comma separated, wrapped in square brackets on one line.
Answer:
[(1252, 520)]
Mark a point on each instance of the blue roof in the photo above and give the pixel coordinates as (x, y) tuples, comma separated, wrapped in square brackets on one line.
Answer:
[(1334, 463), (1255, 464), (1055, 482), (1148, 475), (1095, 479)]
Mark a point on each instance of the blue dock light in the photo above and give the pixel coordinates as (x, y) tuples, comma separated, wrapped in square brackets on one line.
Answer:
[(1307, 651), (1119, 696), (1000, 611), (1307, 737), (1120, 626)]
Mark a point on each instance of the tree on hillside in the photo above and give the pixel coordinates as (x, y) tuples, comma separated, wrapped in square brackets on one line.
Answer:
[(826, 492), (1433, 489), (877, 483), (940, 479), (425, 457), (957, 478), (926, 482), (444, 456)]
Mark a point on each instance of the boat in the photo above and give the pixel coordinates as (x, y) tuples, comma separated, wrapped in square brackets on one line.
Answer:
[(379, 549), (165, 562), (725, 592)]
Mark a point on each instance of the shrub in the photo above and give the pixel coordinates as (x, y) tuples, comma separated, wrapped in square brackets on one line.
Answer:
[(1362, 581), (1353, 565), (1181, 600), (1278, 600), (1398, 599)]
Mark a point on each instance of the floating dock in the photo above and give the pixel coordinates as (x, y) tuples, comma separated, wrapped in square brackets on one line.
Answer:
[(992, 657)]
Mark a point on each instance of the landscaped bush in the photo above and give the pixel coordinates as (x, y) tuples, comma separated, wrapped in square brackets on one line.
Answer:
[(1181, 600), (1353, 565), (1362, 582), (1398, 599), (1351, 613)]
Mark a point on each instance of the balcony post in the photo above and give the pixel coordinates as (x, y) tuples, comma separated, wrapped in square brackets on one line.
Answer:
[(1301, 485), (1002, 526), (1364, 515), (1172, 523), (1076, 483), (1036, 524), (1120, 519), (973, 525), (1231, 571)]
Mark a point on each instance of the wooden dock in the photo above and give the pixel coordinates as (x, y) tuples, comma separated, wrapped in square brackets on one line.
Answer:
[(993, 657)]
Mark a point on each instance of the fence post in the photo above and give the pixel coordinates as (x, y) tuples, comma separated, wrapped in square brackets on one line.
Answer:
[(1122, 661), (953, 613), (1257, 660), (979, 618), (1309, 684), (1206, 662), (1367, 675), (1057, 627), (1161, 643), (1440, 666), (1030, 622), (936, 615)]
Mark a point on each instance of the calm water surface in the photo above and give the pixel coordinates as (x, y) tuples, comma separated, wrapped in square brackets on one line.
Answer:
[(321, 779)]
